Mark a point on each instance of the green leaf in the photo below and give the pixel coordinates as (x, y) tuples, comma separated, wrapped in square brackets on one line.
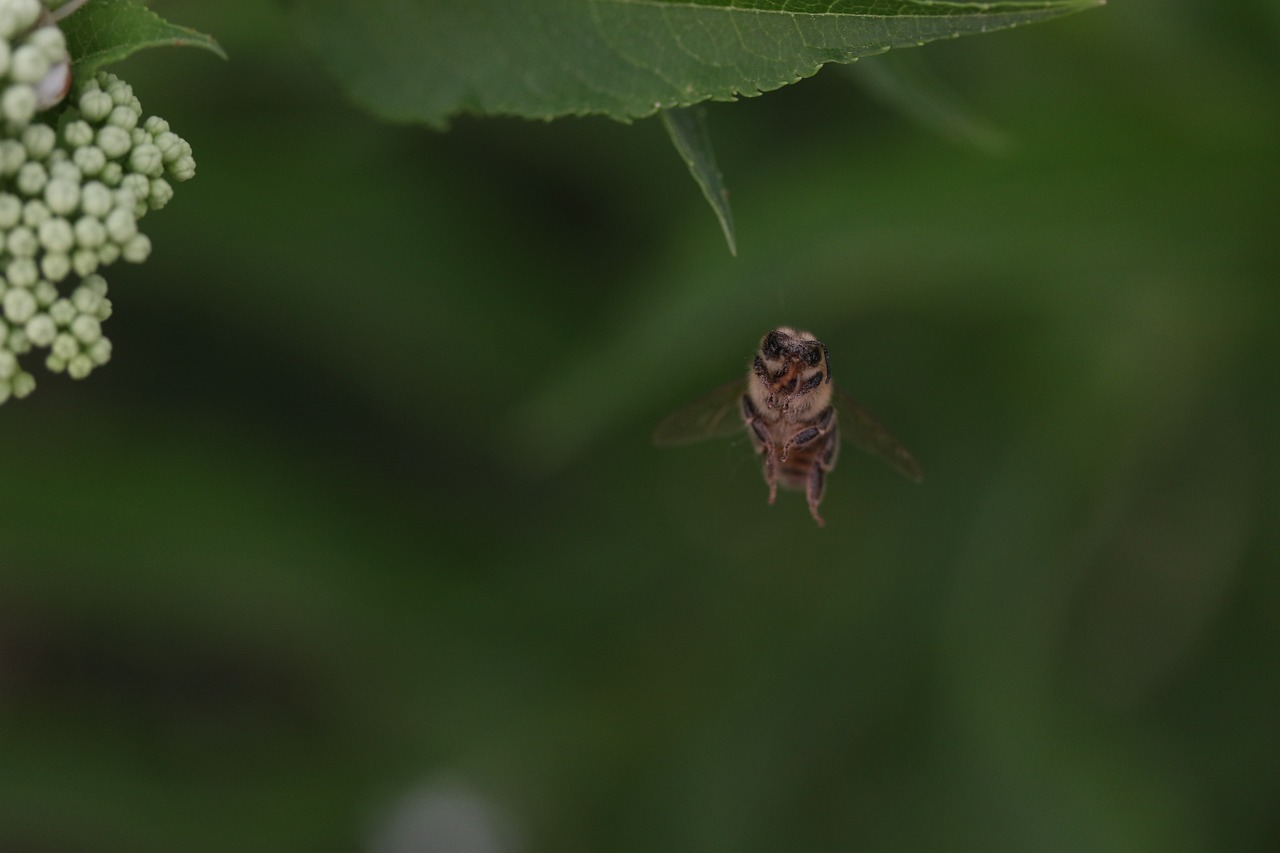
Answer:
[(107, 31), (428, 60), (688, 130)]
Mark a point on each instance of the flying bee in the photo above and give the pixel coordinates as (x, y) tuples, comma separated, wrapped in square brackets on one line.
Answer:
[(794, 415)]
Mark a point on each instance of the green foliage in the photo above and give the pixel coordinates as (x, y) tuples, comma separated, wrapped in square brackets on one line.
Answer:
[(365, 504), (429, 60), (108, 31)]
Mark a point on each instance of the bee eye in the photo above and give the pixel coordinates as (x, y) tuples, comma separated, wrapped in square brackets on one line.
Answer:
[(815, 356), (772, 346)]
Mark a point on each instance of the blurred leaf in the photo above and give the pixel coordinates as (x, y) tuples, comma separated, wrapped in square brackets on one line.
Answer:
[(427, 60), (905, 82), (107, 31), (688, 130)]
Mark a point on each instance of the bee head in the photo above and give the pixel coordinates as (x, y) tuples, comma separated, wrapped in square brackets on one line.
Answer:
[(791, 364), (785, 345)]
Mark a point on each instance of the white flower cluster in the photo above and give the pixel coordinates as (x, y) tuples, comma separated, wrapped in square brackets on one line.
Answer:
[(70, 201), (35, 69), (71, 329)]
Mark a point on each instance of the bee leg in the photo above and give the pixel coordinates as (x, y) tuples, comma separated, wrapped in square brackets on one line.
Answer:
[(818, 427), (803, 437), (833, 446), (771, 472), (817, 483), (763, 444)]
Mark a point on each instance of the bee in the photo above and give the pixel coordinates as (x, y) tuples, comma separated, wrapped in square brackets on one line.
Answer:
[(794, 415)]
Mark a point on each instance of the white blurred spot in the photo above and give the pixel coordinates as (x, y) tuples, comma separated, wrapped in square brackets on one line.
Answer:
[(54, 87), (443, 817)]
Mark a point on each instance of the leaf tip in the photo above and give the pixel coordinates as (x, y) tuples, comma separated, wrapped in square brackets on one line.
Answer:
[(687, 129), (206, 42)]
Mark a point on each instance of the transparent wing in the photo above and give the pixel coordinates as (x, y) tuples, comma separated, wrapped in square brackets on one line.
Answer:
[(863, 431), (715, 415)]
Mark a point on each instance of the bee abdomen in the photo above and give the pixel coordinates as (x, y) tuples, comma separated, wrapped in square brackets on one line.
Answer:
[(799, 462)]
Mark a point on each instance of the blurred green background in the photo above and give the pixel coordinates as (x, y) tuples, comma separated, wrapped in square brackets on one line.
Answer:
[(359, 542)]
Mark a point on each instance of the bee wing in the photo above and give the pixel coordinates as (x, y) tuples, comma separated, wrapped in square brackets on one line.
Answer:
[(714, 415), (865, 432)]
